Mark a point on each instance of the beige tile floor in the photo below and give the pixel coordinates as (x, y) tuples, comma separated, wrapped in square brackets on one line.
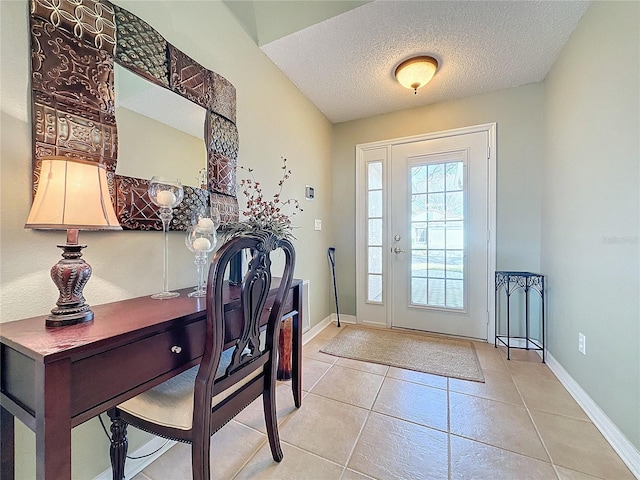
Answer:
[(361, 421)]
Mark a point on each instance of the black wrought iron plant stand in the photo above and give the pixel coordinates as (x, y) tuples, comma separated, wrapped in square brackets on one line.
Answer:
[(511, 282)]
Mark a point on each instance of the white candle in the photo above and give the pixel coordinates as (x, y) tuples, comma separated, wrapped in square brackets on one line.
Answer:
[(201, 244), (205, 224), (166, 198)]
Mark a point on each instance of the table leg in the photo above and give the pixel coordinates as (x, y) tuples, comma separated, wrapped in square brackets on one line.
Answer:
[(53, 421), (526, 314), (508, 318), (542, 328), (7, 444), (296, 358), (285, 347)]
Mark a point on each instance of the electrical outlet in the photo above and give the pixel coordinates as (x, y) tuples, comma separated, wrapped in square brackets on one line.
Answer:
[(582, 343), (318, 224)]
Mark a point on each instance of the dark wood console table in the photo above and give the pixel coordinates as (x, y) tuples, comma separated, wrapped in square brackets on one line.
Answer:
[(53, 379)]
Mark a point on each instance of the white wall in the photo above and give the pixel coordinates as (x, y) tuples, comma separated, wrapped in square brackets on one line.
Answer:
[(591, 209), (274, 119)]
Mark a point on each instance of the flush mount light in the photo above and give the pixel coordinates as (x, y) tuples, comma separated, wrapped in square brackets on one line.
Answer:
[(416, 72)]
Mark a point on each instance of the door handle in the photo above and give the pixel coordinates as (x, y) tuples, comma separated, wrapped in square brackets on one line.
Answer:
[(397, 250)]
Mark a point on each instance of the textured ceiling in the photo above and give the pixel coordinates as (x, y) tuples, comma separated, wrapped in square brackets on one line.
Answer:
[(345, 64), (268, 20)]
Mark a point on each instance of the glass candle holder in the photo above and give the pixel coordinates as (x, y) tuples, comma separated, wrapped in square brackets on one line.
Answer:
[(201, 240), (166, 193)]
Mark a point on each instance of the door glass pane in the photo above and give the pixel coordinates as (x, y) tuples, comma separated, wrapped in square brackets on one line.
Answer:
[(455, 235), (454, 293), (375, 260), (454, 176), (374, 231), (419, 291), (375, 203), (419, 179), (436, 177), (436, 292), (419, 234), (374, 293), (418, 208), (454, 264), (374, 176), (435, 206), (454, 206), (419, 263), (437, 237), (436, 263)]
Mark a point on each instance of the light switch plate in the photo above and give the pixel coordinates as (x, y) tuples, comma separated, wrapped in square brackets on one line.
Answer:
[(309, 193)]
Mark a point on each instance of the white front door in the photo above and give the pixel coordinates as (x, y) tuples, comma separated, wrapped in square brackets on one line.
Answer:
[(425, 227)]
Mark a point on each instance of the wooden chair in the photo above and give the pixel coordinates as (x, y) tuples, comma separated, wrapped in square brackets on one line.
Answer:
[(192, 406)]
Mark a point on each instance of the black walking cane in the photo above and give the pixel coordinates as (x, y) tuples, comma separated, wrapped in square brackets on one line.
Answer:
[(332, 258)]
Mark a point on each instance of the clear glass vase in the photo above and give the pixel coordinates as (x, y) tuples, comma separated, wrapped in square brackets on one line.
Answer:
[(201, 240), (166, 193)]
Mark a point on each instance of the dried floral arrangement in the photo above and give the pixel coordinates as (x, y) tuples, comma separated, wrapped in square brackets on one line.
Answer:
[(262, 215)]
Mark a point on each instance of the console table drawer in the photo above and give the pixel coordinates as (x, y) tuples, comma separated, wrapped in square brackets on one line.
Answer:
[(133, 365), (92, 382)]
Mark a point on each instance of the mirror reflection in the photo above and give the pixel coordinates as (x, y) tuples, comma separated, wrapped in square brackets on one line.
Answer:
[(159, 132)]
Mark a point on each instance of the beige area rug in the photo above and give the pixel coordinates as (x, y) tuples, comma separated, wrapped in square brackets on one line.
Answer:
[(423, 353)]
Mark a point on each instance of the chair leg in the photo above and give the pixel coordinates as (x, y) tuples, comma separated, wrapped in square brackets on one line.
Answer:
[(200, 461), (119, 444), (271, 421)]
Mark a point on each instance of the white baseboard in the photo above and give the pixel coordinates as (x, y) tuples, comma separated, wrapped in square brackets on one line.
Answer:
[(343, 318), (315, 330), (623, 447), (132, 467), (332, 318)]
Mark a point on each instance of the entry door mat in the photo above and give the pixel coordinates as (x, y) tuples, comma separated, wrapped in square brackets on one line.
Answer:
[(423, 353)]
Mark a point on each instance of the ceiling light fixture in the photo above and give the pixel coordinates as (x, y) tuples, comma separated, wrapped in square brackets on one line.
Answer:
[(416, 72)]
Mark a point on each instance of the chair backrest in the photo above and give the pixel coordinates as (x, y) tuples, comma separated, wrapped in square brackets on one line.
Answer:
[(248, 355)]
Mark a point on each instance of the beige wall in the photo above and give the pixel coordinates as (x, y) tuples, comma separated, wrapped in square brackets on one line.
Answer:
[(274, 119), (591, 209), (518, 114)]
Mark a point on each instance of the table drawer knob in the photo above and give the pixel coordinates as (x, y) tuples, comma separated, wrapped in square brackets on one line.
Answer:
[(176, 349)]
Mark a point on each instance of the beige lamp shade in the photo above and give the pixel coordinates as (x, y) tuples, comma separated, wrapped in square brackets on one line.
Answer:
[(72, 194), (416, 72)]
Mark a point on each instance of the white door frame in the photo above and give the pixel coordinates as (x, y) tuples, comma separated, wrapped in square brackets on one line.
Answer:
[(383, 147)]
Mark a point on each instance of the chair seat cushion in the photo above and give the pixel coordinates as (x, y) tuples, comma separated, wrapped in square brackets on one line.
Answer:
[(171, 403)]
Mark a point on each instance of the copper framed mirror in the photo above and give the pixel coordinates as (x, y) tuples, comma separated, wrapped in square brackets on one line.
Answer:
[(74, 47)]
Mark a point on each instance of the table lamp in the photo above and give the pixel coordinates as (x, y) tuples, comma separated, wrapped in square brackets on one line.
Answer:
[(72, 194)]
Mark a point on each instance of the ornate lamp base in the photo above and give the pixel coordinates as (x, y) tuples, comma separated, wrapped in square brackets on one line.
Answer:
[(70, 275), (60, 319)]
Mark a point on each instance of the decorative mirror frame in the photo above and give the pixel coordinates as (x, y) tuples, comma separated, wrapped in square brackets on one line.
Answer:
[(74, 44)]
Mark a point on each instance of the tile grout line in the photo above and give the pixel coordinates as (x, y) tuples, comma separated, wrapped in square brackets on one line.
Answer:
[(359, 369), (449, 472), (355, 443), (535, 427), (262, 444), (369, 410), (321, 376), (265, 440), (524, 405)]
